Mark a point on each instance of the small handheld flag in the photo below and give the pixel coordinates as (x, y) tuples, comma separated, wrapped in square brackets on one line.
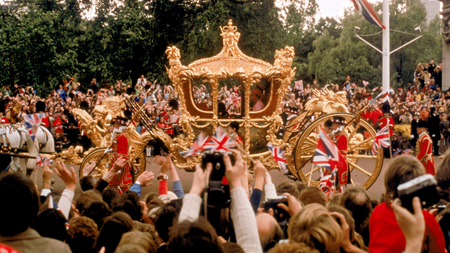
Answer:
[(328, 156), (279, 156), (32, 123), (42, 161), (381, 140), (221, 141)]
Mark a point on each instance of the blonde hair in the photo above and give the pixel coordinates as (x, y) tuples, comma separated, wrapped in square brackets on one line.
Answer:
[(315, 227), (292, 247)]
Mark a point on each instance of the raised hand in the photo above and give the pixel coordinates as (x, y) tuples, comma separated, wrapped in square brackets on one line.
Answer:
[(234, 173), (145, 178), (47, 175), (199, 179), (69, 177)]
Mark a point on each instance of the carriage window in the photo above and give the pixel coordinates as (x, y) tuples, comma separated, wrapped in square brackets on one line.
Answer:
[(230, 102), (260, 95), (201, 95)]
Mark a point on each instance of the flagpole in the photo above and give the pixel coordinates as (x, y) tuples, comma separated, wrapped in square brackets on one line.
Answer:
[(386, 63), (386, 49)]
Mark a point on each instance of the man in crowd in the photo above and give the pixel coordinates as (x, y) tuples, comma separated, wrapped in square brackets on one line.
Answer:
[(424, 148)]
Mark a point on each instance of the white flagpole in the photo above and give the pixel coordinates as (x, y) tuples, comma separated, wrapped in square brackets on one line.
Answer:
[(386, 49)]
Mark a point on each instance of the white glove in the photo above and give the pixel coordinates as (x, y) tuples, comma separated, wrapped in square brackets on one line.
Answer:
[(412, 135), (433, 135), (108, 150)]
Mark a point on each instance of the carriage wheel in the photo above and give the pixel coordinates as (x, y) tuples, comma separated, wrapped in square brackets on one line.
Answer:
[(359, 151), (138, 164)]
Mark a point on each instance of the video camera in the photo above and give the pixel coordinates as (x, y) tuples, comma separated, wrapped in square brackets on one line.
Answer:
[(218, 188), (423, 187), (279, 213)]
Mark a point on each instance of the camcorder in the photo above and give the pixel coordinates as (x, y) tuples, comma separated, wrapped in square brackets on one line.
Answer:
[(423, 187), (279, 213), (218, 188)]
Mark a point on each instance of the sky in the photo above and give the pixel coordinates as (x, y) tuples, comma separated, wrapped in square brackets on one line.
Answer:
[(334, 8)]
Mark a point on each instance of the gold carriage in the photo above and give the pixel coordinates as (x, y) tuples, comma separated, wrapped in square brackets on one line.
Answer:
[(96, 127), (229, 79), (209, 79)]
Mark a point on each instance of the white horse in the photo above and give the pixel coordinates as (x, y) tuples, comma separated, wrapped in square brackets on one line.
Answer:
[(16, 138)]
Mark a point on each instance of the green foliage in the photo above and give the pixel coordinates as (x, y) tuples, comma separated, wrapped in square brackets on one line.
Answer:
[(335, 57), (43, 42)]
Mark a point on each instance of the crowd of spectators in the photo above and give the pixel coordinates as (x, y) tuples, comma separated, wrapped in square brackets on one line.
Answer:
[(421, 98), (100, 219), (18, 101)]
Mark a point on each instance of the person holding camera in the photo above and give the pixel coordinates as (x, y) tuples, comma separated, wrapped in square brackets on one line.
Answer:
[(385, 231), (242, 214), (424, 148)]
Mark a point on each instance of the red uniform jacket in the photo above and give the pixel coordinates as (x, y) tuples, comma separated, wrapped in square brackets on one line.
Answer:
[(391, 124), (424, 151), (375, 114), (386, 235), (44, 122), (124, 179), (341, 144), (57, 124)]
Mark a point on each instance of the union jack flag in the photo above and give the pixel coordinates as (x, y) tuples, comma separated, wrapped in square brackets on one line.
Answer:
[(396, 153), (329, 184), (381, 140), (52, 205), (220, 141), (365, 83), (406, 152), (196, 147), (43, 161), (328, 156), (33, 119), (279, 156), (365, 9), (32, 123)]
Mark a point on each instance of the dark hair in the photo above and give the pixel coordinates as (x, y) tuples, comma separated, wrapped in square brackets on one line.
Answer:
[(86, 198), (113, 229), (82, 234), (167, 218), (311, 195), (86, 183), (51, 223), (129, 203), (287, 186), (109, 195), (20, 203), (98, 211), (197, 236), (443, 173), (358, 202)]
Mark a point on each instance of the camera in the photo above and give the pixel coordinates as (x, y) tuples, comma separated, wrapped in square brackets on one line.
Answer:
[(423, 187), (272, 202), (218, 189)]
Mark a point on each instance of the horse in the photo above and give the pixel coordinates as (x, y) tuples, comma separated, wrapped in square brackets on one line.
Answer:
[(15, 138)]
